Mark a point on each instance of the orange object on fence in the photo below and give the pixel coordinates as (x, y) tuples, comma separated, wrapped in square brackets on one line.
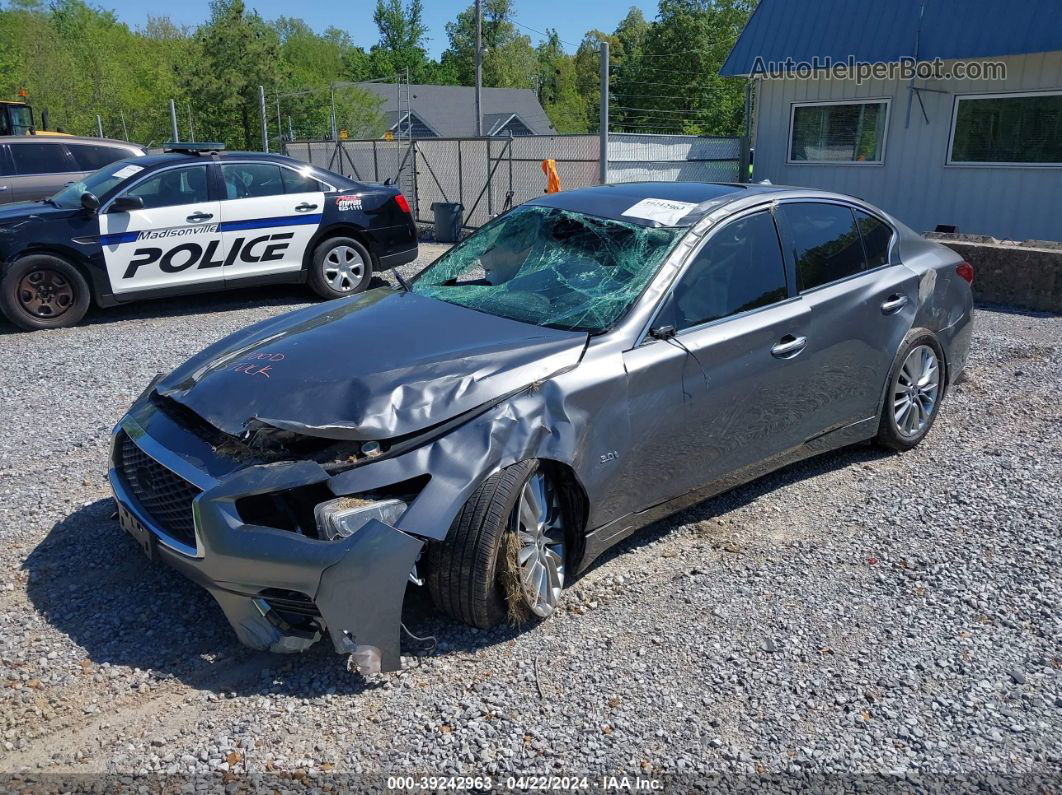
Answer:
[(549, 168)]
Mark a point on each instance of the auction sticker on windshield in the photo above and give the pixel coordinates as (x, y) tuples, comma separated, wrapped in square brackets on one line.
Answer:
[(127, 171), (664, 211)]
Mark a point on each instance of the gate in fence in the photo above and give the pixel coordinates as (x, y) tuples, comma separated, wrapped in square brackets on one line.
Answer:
[(489, 175)]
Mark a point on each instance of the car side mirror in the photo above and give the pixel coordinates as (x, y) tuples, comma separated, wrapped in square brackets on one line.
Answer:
[(90, 202), (662, 332), (125, 204)]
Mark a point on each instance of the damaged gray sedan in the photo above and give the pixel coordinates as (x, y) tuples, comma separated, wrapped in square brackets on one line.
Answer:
[(581, 366)]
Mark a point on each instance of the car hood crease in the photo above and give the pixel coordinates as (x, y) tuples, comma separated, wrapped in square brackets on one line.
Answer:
[(378, 366)]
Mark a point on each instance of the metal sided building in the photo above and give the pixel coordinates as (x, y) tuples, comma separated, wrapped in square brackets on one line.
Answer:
[(981, 155)]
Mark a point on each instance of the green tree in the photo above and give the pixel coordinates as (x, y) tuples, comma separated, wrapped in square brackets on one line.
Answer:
[(402, 37), (236, 53), (557, 86), (509, 59), (670, 81)]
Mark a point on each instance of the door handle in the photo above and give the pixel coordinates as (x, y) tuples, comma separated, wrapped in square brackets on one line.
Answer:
[(788, 346), (3, 188), (197, 217), (894, 303), (306, 206)]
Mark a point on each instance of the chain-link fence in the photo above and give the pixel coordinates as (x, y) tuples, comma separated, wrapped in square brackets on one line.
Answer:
[(489, 175)]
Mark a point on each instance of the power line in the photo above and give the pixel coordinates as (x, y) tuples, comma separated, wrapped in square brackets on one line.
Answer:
[(659, 110), (542, 33)]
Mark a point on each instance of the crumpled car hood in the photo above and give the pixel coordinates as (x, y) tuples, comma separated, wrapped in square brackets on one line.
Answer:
[(376, 366)]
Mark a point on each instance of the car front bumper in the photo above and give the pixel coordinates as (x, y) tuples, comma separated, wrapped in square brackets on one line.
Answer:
[(352, 589)]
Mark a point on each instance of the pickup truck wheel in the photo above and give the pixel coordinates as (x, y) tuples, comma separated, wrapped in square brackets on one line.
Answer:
[(43, 291), (341, 266), (505, 553)]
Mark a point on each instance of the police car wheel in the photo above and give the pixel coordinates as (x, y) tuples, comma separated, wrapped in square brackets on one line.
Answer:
[(341, 266), (42, 291)]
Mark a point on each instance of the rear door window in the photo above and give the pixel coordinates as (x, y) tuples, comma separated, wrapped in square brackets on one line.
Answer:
[(42, 158), (825, 240), (294, 182), (877, 236), (6, 169), (91, 157), (738, 269), (252, 180)]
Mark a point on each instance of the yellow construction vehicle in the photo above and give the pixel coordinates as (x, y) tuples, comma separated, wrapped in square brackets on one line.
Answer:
[(16, 118)]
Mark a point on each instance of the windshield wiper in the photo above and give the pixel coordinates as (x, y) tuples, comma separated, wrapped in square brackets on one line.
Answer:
[(401, 281)]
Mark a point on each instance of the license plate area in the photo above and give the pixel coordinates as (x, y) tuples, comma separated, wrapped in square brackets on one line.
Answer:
[(144, 538)]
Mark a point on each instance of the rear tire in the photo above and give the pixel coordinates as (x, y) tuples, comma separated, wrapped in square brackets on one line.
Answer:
[(468, 577), (340, 266), (912, 399), (42, 291)]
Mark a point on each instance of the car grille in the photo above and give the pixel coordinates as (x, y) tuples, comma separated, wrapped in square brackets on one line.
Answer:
[(165, 497), (290, 602)]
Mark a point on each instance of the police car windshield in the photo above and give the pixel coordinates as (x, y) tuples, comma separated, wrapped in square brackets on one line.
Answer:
[(98, 183)]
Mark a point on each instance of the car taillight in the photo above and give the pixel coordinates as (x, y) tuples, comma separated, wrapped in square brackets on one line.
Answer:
[(965, 270), (403, 205)]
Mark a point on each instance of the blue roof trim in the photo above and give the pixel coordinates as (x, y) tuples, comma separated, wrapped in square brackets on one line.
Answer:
[(877, 31)]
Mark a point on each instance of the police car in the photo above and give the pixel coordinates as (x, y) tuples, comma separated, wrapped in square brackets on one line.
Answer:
[(195, 219)]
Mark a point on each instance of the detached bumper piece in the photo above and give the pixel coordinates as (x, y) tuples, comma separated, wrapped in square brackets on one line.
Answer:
[(280, 590)]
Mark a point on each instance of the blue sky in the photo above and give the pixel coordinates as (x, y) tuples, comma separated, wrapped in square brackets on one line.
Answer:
[(571, 20)]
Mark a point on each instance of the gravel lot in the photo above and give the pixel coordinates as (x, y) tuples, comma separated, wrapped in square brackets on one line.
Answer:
[(862, 612)]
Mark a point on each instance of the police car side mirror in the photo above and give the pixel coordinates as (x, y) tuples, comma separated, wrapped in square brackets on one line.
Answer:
[(125, 204), (90, 202)]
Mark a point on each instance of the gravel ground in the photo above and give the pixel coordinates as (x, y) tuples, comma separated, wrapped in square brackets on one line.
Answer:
[(861, 612)]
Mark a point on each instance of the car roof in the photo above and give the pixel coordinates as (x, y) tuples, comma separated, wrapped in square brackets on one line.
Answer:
[(612, 201), (67, 139), (178, 157)]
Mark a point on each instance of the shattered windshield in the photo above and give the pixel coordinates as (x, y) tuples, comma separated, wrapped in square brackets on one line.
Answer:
[(550, 267)]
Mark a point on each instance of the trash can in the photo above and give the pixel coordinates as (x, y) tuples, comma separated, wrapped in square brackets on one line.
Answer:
[(449, 218)]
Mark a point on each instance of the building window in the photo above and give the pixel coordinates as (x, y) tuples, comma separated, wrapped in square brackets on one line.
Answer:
[(513, 126), (413, 126), (838, 132), (1007, 129)]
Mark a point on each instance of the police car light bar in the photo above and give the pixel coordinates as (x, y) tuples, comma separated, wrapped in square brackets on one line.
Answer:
[(197, 148)]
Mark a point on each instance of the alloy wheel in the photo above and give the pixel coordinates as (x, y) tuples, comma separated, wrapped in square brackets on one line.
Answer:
[(343, 269), (539, 525), (45, 293), (915, 391)]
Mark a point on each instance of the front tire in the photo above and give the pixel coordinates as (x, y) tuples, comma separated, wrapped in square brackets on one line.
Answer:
[(340, 266), (912, 400), (505, 553), (42, 291)]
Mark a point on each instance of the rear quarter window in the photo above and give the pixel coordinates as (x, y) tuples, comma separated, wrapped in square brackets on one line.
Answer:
[(877, 237), (91, 157)]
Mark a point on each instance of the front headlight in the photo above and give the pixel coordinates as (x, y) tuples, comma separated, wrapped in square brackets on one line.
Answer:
[(342, 518)]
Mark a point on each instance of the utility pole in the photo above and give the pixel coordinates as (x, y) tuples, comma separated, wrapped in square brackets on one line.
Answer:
[(125, 130), (191, 125), (332, 89), (280, 130), (265, 121), (479, 68), (173, 123), (99, 125), (603, 121)]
